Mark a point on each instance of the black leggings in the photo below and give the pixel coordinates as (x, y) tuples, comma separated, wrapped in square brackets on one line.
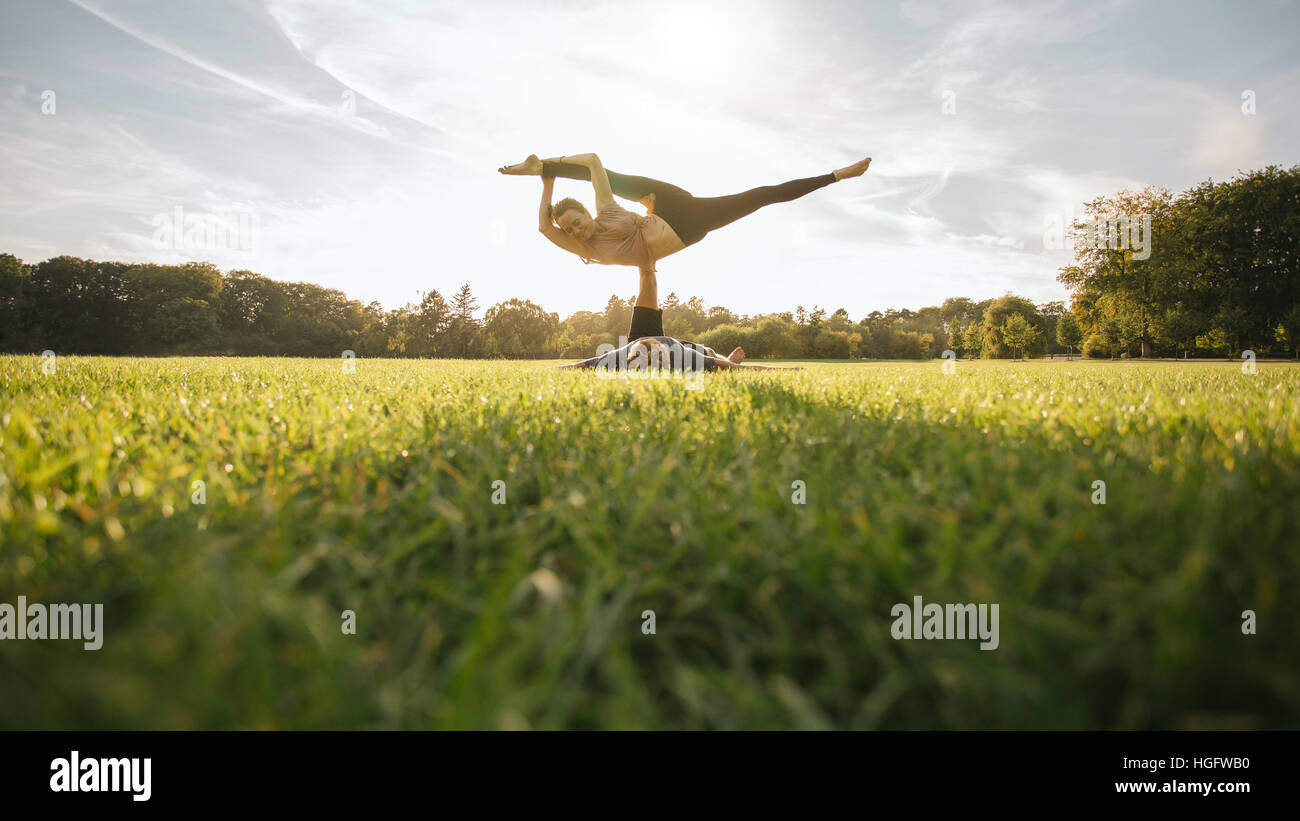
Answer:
[(689, 216)]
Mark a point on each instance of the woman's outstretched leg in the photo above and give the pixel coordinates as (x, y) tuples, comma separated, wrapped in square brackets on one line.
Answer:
[(705, 214), (714, 212)]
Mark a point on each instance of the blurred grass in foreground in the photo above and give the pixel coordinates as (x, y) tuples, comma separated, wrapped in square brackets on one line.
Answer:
[(371, 491)]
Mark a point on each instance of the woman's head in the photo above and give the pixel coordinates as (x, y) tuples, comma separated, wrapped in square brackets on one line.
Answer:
[(573, 218)]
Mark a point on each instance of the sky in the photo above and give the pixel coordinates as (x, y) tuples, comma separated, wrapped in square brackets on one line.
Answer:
[(355, 144)]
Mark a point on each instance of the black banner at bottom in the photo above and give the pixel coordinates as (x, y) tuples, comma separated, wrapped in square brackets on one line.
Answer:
[(331, 771)]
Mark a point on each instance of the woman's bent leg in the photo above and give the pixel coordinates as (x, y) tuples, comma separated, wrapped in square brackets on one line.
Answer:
[(627, 186)]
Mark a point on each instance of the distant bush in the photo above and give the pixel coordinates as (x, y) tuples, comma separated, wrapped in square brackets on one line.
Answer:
[(725, 338), (831, 345)]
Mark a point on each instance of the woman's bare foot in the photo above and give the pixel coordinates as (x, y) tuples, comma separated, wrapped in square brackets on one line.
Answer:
[(737, 356), (856, 170), (532, 165), (649, 202)]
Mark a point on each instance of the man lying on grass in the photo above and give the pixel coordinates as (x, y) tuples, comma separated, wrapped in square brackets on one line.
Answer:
[(649, 349)]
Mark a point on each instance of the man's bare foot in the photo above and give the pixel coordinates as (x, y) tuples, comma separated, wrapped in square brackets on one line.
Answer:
[(532, 165), (856, 170), (737, 356)]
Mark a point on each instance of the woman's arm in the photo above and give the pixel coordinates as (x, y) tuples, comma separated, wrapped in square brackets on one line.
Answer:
[(648, 295), (547, 226), (599, 179), (544, 221)]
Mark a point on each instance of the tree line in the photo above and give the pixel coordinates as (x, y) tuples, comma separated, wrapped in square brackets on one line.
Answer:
[(1220, 272), (1215, 272)]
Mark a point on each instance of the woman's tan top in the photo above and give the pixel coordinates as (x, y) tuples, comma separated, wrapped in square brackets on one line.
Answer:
[(626, 238)]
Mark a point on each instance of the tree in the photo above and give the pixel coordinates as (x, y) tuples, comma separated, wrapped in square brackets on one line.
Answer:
[(1290, 327), (1120, 332), (1224, 256), (252, 312), (1096, 346), (1240, 253), (994, 344), (912, 345), (958, 312), (432, 320), (830, 344), (519, 328), (969, 340), (685, 320), (1181, 327), (1234, 322), (1018, 333), (462, 326), (717, 315), (13, 278), (726, 338), (1068, 333), (76, 306), (618, 317), (1214, 340), (186, 325), (172, 308), (777, 336), (399, 330), (1114, 254), (1051, 312)]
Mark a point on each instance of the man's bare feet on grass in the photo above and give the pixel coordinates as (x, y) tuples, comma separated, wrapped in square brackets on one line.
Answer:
[(856, 170), (737, 356), (530, 166)]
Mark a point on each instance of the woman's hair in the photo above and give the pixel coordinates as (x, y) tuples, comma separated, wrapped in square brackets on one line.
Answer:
[(566, 204)]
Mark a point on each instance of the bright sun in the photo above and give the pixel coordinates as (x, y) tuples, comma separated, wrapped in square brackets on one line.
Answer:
[(696, 45)]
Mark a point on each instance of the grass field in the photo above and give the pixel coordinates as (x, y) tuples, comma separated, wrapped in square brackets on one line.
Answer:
[(372, 492)]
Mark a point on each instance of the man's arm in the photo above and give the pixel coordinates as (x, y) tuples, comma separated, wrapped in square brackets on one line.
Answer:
[(648, 295), (547, 226)]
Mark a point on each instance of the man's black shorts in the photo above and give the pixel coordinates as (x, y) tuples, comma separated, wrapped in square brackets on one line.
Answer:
[(646, 322)]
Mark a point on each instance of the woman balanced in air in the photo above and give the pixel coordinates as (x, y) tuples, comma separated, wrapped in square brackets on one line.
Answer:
[(675, 219)]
